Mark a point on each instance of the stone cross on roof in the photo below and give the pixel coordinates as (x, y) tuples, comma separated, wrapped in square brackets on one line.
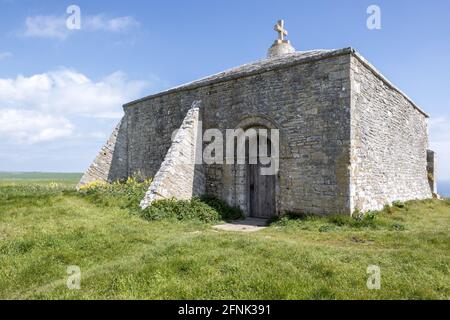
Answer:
[(280, 46), (279, 27)]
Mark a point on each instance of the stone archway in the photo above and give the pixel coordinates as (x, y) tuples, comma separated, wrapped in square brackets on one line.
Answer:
[(258, 196)]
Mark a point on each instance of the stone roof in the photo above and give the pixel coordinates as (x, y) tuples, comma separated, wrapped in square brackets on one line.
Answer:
[(269, 64)]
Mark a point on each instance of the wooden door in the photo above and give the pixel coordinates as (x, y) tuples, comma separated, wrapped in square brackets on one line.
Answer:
[(261, 195)]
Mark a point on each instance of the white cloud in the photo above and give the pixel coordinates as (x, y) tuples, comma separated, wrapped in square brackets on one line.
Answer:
[(24, 126), (5, 55), (44, 107), (55, 26), (46, 27), (66, 91), (101, 22), (440, 143)]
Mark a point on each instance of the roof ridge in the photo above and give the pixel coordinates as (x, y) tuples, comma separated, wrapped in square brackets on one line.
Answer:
[(268, 64), (251, 68)]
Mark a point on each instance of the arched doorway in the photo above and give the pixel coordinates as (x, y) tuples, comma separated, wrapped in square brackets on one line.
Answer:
[(244, 176)]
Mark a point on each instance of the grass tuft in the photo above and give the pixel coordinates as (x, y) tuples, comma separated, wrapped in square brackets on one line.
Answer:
[(180, 210), (127, 195)]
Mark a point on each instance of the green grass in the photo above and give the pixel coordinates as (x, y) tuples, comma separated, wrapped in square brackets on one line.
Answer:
[(46, 227)]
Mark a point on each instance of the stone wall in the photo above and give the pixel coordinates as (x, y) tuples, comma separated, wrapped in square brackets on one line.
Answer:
[(389, 142), (151, 124), (310, 105), (179, 176), (309, 102)]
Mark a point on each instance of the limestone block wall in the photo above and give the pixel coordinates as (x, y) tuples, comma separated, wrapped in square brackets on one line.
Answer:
[(309, 102), (150, 125), (179, 176), (389, 142)]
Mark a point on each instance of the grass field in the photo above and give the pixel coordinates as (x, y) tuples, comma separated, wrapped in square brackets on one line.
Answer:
[(41, 176), (45, 226)]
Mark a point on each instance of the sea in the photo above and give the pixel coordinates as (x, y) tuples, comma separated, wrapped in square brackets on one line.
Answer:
[(444, 188)]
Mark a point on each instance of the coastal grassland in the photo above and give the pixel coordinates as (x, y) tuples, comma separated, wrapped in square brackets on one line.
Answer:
[(46, 226)]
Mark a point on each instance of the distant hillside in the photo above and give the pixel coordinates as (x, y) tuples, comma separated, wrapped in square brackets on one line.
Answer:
[(39, 176)]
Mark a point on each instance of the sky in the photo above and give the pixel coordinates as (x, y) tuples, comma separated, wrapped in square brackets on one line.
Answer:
[(62, 90)]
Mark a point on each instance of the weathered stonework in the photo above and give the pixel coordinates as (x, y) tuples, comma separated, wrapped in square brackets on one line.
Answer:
[(179, 176), (349, 139), (280, 48), (389, 142)]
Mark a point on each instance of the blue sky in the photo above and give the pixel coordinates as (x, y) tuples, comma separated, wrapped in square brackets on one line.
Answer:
[(61, 90)]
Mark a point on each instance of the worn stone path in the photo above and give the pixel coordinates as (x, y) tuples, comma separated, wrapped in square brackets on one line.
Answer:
[(246, 225)]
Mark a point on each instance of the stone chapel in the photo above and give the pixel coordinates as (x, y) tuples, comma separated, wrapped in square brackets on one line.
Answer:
[(349, 139)]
